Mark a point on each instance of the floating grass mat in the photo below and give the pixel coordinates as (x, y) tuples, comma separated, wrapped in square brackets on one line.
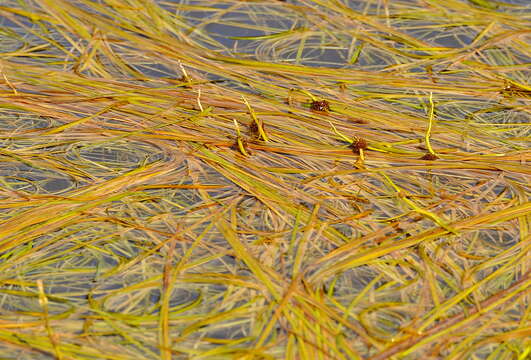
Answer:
[(304, 179)]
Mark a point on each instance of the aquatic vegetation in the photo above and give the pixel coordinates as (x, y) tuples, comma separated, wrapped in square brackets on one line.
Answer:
[(320, 105), (300, 179)]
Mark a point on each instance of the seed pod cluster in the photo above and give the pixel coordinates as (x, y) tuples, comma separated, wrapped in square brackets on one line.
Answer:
[(321, 105), (359, 144), (429, 156)]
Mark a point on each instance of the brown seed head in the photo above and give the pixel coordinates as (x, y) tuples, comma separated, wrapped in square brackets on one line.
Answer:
[(253, 128), (429, 156), (322, 105), (359, 144)]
